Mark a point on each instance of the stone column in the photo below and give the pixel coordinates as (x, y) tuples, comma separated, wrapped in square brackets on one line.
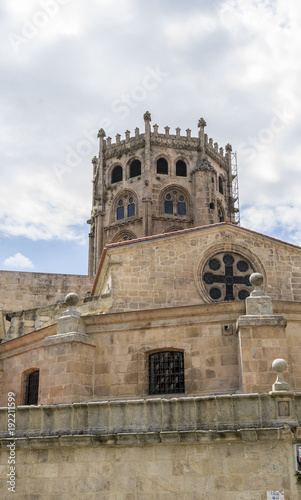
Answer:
[(262, 338), (69, 357), (202, 124), (99, 200)]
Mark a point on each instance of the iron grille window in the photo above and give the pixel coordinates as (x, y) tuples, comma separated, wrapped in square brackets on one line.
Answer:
[(135, 168), (117, 174), (32, 388), (162, 166), (181, 169), (166, 372)]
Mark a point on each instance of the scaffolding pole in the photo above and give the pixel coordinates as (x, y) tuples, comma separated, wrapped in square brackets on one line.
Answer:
[(235, 192)]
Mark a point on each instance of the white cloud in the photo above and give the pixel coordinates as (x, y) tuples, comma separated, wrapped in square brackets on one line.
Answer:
[(18, 261)]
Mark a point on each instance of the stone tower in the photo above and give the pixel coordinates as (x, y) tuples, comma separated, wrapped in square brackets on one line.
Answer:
[(155, 183)]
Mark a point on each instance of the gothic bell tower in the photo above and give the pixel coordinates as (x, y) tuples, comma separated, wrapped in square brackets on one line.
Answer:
[(152, 183)]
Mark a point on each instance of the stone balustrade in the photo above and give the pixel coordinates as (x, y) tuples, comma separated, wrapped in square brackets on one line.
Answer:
[(197, 416)]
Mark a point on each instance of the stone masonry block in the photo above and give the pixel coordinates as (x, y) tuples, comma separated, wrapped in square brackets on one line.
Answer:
[(98, 417)]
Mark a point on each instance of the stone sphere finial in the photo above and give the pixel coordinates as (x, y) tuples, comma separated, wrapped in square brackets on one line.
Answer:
[(71, 299), (256, 279), (279, 365)]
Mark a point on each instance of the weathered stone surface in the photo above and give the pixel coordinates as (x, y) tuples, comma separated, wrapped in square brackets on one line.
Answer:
[(71, 461)]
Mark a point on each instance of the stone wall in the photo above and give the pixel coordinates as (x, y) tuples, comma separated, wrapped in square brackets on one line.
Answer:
[(120, 361), (117, 365), (235, 448), (167, 270), (22, 290)]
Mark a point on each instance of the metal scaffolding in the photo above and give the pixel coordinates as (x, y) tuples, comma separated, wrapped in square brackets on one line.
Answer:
[(235, 188)]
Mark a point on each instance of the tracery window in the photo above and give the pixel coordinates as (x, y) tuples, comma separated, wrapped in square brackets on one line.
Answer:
[(124, 236), (181, 169), (162, 166), (135, 168), (116, 174), (166, 372), (125, 207), (175, 203), (226, 277), (32, 388)]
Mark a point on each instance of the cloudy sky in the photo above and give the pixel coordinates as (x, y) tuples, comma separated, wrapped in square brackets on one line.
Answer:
[(70, 67)]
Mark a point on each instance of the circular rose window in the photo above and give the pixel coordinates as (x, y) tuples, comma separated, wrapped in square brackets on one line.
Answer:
[(226, 277)]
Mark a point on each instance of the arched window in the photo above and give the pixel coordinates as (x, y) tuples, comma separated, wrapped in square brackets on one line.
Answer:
[(166, 372), (125, 207), (116, 174), (162, 166), (32, 388), (135, 168), (221, 185), (181, 169), (124, 236), (175, 203)]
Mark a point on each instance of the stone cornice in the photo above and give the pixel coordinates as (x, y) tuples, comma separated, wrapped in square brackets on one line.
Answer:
[(142, 439), (200, 418)]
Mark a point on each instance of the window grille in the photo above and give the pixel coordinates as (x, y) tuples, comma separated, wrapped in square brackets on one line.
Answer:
[(117, 174), (162, 166), (135, 168), (32, 388), (166, 372), (181, 169)]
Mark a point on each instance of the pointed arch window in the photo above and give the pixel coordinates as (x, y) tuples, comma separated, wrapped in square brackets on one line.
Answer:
[(32, 388), (181, 168), (125, 207), (135, 168), (175, 203), (162, 166)]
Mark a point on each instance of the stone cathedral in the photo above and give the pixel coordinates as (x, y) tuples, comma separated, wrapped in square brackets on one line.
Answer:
[(173, 369), (156, 183)]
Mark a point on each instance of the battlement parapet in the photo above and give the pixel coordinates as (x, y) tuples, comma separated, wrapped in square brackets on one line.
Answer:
[(178, 141)]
